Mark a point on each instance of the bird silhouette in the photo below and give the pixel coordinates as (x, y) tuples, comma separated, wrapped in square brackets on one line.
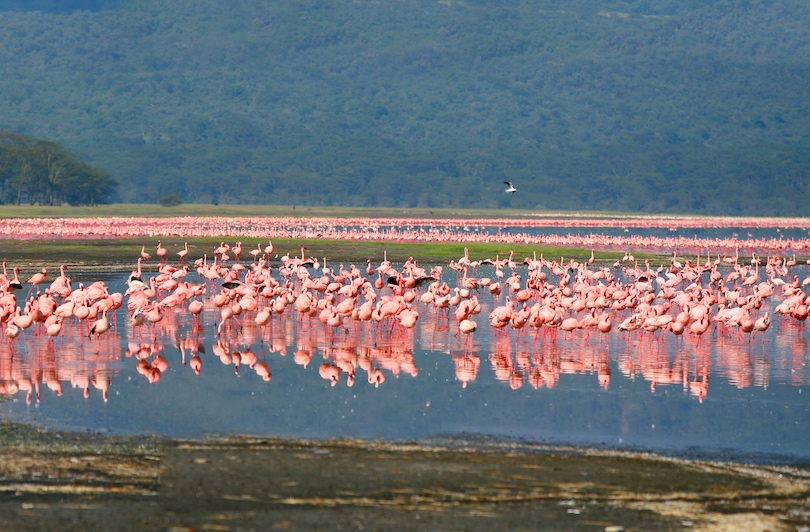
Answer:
[(510, 189)]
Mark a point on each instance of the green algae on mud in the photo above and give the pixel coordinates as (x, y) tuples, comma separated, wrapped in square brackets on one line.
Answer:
[(123, 253), (50, 479)]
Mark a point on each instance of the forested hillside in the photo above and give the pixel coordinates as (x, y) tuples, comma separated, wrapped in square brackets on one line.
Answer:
[(638, 105)]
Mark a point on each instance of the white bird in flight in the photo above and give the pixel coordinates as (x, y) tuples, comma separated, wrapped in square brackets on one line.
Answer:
[(510, 189)]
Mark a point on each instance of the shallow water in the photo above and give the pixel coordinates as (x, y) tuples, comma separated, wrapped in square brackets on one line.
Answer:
[(727, 393)]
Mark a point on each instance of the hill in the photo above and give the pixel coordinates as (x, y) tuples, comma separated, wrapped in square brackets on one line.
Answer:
[(657, 105)]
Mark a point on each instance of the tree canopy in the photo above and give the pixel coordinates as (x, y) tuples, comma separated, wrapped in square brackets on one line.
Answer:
[(43, 172), (637, 105)]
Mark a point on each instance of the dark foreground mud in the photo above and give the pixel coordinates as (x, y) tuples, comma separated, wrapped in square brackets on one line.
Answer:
[(51, 481)]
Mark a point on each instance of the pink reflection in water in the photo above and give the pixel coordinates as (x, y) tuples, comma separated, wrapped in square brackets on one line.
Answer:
[(46, 362), (548, 319)]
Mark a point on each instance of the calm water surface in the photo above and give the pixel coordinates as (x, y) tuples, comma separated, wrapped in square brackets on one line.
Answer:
[(728, 393)]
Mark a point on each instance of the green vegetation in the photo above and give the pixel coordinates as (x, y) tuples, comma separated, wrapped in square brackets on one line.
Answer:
[(42, 172), (192, 209), (170, 200), (123, 253), (654, 105)]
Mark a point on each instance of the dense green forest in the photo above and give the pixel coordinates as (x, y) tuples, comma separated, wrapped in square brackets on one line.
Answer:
[(672, 106)]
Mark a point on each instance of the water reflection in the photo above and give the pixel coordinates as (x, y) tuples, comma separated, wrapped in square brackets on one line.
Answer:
[(371, 350), (36, 362), (299, 343)]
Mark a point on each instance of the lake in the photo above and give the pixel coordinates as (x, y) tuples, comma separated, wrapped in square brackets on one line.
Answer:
[(724, 393)]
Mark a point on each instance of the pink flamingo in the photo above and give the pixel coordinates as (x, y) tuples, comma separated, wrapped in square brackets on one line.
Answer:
[(161, 251), (182, 253)]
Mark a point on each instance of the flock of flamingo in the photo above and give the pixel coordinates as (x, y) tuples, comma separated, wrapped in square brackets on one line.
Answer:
[(362, 318), (501, 230)]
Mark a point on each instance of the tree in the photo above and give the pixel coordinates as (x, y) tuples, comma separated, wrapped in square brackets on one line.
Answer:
[(55, 160), (43, 172), (170, 200), (87, 185)]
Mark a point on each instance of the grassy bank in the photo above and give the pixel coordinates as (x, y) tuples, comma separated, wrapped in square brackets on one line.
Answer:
[(152, 210)]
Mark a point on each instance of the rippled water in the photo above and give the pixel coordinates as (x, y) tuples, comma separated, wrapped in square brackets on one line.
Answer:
[(727, 393)]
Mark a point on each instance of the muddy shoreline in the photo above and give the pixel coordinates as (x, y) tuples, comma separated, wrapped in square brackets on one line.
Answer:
[(51, 479)]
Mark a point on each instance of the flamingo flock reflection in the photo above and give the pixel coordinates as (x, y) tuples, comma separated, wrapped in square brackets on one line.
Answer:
[(534, 320), (72, 364)]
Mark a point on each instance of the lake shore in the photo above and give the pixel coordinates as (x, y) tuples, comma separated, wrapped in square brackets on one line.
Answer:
[(52, 479)]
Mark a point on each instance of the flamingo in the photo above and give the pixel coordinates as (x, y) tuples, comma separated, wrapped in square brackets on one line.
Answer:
[(762, 323), (182, 253), (699, 327), (15, 284), (161, 251), (38, 277), (100, 326), (467, 326), (34, 280)]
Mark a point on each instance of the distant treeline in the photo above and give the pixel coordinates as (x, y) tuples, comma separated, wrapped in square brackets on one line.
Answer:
[(673, 106), (43, 172)]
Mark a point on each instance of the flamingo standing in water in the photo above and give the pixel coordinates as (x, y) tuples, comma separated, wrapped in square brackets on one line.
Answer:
[(161, 251), (256, 252), (182, 253), (100, 326), (467, 326), (699, 327), (762, 323), (36, 279), (15, 283)]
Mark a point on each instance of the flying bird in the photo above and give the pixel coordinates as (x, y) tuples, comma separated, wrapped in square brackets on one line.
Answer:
[(509, 188)]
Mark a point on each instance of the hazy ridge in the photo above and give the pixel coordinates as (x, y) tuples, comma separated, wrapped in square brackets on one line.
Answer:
[(640, 106)]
